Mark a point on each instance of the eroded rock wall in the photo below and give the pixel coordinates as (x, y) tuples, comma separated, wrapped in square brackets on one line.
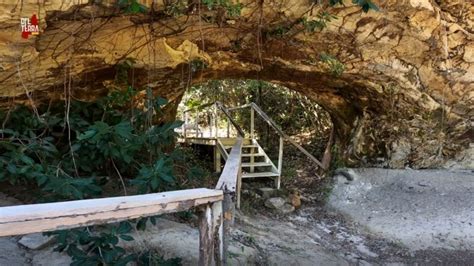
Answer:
[(406, 93)]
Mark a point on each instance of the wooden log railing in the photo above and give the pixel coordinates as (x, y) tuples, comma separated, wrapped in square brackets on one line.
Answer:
[(35, 218), (230, 183)]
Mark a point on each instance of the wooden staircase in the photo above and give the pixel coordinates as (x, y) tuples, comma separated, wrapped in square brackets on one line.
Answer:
[(255, 162), (242, 153)]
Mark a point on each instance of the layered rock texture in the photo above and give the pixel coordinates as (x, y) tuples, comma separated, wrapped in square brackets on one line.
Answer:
[(399, 82)]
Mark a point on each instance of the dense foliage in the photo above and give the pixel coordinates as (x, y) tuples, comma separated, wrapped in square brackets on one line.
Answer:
[(75, 150), (73, 157)]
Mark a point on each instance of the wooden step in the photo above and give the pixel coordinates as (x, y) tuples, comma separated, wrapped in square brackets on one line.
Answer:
[(229, 142), (253, 155), (257, 164), (259, 174), (244, 146)]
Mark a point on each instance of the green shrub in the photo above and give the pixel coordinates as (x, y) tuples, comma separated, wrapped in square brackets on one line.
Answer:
[(107, 142)]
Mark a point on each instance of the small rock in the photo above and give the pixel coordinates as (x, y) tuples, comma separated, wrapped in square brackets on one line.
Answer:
[(348, 173), (267, 192), (36, 241), (286, 208), (11, 253), (400, 151), (295, 199), (275, 203), (50, 257)]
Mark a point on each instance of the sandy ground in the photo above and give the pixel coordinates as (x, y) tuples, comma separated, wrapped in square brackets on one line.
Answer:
[(340, 233), (421, 209)]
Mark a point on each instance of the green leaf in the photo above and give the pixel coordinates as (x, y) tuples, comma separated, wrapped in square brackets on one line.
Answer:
[(41, 180), (123, 129), (26, 159), (125, 260), (154, 183), (126, 237), (8, 131), (167, 177), (124, 228), (160, 101), (87, 135), (11, 168), (141, 225), (75, 147), (366, 5)]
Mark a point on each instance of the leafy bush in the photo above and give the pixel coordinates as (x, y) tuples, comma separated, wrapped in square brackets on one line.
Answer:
[(109, 143), (321, 21), (232, 10), (335, 66)]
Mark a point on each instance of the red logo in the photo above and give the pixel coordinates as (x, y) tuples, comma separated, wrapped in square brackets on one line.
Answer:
[(29, 26)]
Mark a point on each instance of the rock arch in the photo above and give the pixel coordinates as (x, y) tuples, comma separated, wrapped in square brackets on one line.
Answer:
[(406, 92)]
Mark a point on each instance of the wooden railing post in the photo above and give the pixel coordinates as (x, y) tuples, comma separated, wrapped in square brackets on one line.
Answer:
[(211, 231), (196, 125), (252, 122), (252, 136), (210, 121), (217, 159), (228, 207), (280, 162), (216, 121), (185, 125)]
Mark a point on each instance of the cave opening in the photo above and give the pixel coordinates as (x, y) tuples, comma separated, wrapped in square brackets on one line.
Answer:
[(298, 116)]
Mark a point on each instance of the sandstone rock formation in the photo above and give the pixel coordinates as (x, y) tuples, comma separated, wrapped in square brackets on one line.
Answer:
[(406, 92)]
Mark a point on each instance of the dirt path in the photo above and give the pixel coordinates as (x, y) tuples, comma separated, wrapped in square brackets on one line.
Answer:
[(383, 216), (315, 236), (422, 209)]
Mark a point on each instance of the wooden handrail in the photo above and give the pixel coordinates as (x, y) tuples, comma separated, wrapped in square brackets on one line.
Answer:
[(229, 176), (270, 122), (202, 106), (35, 218), (230, 183), (224, 110), (239, 107)]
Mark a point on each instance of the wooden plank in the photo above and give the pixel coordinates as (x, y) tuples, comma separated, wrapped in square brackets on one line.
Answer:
[(222, 150), (253, 155), (230, 173), (33, 218), (239, 107), (257, 164), (217, 159), (201, 141), (259, 174)]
